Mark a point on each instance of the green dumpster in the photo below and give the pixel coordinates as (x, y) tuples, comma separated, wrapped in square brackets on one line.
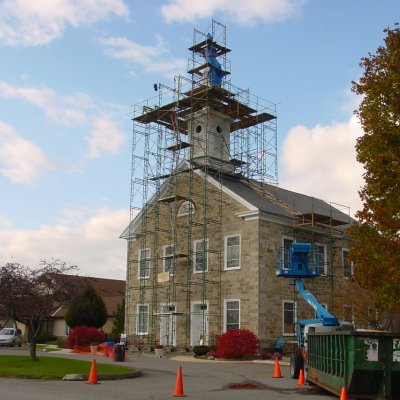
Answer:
[(366, 363)]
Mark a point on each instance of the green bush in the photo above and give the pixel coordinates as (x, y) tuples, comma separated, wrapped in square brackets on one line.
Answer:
[(46, 337), (200, 350)]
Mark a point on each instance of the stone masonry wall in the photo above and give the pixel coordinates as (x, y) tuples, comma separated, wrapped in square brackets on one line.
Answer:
[(260, 292)]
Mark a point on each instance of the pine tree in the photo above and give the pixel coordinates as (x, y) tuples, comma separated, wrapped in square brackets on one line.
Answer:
[(87, 309), (119, 320)]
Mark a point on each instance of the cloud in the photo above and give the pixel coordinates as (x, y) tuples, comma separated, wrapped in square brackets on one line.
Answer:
[(5, 222), (105, 138), (155, 58), (245, 13), (20, 160), (63, 110), (321, 162), (38, 22), (78, 109), (86, 238)]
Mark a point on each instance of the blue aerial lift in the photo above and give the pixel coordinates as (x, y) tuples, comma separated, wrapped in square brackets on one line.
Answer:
[(296, 265)]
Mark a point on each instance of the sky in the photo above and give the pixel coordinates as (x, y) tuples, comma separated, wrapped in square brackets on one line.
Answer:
[(71, 71)]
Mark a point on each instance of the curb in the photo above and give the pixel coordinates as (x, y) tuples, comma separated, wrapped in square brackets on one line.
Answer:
[(103, 377)]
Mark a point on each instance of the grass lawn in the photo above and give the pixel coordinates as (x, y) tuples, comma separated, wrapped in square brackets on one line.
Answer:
[(52, 368)]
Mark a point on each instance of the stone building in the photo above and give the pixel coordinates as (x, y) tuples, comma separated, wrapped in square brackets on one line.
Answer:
[(209, 223)]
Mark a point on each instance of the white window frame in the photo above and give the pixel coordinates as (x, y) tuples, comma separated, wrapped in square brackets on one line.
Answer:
[(138, 316), (294, 317), (168, 258), (145, 259), (226, 268), (195, 254), (226, 301), (345, 267), (324, 269), (285, 254), (185, 207)]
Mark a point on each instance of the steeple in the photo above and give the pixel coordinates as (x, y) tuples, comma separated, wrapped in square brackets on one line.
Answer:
[(210, 122)]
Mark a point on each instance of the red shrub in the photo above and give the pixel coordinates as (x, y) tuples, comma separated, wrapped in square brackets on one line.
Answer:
[(83, 336), (236, 343)]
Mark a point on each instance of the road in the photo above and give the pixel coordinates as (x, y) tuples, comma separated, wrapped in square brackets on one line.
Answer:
[(201, 380)]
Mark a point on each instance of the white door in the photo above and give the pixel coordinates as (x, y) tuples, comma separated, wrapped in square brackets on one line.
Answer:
[(199, 323), (168, 325)]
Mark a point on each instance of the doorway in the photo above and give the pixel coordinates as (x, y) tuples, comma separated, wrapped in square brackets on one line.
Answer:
[(199, 323), (168, 325)]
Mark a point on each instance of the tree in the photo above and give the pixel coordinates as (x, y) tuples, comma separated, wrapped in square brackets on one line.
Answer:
[(119, 320), (86, 309), (29, 295), (375, 247)]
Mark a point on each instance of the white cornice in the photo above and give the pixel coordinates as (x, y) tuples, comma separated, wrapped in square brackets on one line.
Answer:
[(248, 215)]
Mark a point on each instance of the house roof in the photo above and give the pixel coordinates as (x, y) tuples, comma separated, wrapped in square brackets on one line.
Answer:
[(112, 291), (277, 201), (281, 202)]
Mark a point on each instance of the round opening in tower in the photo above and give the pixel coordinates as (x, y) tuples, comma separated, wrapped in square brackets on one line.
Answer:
[(198, 128)]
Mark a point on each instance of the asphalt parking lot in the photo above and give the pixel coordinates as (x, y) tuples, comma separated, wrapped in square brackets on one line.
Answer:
[(201, 380)]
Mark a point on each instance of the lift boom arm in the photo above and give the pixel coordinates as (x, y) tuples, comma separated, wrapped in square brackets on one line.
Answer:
[(299, 268)]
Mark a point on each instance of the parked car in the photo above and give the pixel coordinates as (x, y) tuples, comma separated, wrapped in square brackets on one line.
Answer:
[(10, 337)]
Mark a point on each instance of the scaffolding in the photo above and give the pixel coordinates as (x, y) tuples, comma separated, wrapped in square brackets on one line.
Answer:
[(323, 225), (185, 140)]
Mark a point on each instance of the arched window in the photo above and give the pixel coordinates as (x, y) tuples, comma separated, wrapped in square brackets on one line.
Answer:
[(185, 208)]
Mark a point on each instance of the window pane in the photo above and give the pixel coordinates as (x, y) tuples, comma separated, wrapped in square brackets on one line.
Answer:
[(286, 252), (288, 317), (232, 305), (185, 208), (201, 255), (320, 258), (233, 241), (232, 315), (347, 268), (168, 259), (144, 263), (233, 258), (143, 317), (233, 252)]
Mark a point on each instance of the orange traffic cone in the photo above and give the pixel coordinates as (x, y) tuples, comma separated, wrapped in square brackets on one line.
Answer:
[(93, 374), (343, 395), (301, 377), (178, 392), (277, 369)]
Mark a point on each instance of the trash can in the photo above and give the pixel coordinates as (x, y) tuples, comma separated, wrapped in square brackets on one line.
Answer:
[(365, 363), (119, 352)]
